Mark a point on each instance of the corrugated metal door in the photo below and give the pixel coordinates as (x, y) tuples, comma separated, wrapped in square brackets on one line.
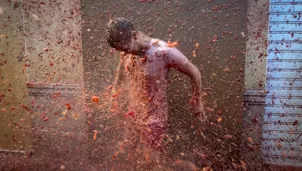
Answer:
[(282, 127)]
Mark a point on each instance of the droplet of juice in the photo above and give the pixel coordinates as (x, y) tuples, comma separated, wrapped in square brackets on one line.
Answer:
[(194, 53), (62, 167), (95, 133)]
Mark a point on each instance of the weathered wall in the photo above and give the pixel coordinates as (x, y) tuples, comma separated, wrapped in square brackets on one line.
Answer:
[(256, 45), (14, 119), (53, 34), (220, 29), (41, 72), (55, 79), (255, 79)]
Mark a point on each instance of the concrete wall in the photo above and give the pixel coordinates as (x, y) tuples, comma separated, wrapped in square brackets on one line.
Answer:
[(14, 119), (256, 45), (53, 35), (255, 79), (55, 88), (48, 36)]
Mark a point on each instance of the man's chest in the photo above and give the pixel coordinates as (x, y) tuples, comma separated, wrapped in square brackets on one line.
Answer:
[(148, 66)]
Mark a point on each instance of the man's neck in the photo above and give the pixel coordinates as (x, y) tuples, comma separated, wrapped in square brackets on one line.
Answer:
[(144, 42)]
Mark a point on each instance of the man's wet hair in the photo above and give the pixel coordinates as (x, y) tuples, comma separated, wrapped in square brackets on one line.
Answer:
[(119, 30)]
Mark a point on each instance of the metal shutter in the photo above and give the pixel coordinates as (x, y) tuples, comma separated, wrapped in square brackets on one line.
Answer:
[(282, 127)]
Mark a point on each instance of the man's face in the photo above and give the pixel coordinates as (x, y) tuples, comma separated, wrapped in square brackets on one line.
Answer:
[(126, 41), (127, 46)]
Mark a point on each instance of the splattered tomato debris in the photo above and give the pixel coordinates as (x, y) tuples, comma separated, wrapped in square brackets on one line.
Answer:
[(250, 140), (55, 95), (95, 99), (5, 81), (68, 106), (214, 38), (25, 107), (115, 155), (226, 69), (129, 114), (45, 118), (116, 94), (228, 136), (172, 44), (95, 133), (75, 116)]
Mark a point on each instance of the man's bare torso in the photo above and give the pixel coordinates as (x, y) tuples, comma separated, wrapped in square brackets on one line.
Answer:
[(147, 79)]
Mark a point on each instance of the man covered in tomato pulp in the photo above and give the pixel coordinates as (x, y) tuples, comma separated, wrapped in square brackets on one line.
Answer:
[(144, 67)]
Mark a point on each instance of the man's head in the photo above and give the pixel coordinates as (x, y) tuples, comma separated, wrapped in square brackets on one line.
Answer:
[(121, 34)]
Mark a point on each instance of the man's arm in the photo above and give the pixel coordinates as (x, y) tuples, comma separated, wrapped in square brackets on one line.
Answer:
[(193, 72), (118, 76), (180, 62), (117, 81)]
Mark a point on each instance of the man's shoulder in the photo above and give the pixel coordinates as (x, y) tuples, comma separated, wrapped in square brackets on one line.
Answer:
[(159, 44)]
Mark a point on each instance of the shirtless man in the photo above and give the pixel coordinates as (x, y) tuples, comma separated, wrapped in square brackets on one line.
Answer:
[(145, 66)]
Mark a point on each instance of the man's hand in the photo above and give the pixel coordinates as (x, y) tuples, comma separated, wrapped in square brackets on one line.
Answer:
[(197, 108)]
